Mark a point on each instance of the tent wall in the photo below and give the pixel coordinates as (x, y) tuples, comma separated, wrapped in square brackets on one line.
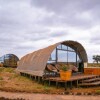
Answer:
[(35, 62)]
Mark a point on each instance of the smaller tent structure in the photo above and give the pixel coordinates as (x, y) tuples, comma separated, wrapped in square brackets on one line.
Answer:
[(35, 62), (9, 60)]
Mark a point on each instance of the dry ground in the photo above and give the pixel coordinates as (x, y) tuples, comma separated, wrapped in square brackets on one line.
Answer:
[(31, 96), (12, 82)]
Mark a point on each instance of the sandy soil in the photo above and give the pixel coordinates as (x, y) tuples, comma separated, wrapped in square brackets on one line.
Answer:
[(31, 96)]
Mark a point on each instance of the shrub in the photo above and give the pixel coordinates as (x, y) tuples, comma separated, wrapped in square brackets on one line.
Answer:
[(64, 68)]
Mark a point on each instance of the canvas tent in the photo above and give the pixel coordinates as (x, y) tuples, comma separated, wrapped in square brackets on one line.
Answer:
[(36, 61)]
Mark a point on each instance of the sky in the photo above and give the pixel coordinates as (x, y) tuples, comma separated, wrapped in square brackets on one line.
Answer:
[(28, 25)]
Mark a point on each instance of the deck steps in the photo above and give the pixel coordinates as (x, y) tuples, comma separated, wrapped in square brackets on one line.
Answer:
[(91, 80), (94, 81), (90, 84)]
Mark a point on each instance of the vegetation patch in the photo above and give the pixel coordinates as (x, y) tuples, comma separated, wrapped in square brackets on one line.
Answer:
[(13, 82), (97, 92)]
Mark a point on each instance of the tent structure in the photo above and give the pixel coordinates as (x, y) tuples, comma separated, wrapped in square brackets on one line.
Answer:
[(36, 61), (9, 60)]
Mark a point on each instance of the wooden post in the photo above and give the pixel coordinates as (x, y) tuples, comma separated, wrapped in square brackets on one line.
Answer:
[(29, 76), (20, 73), (70, 84), (38, 79), (77, 84), (42, 80), (35, 78), (57, 84), (49, 83), (65, 85)]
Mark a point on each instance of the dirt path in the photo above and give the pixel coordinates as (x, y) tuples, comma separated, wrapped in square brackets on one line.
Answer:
[(31, 96)]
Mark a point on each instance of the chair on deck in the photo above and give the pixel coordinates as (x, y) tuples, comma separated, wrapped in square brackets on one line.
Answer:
[(51, 70), (57, 66)]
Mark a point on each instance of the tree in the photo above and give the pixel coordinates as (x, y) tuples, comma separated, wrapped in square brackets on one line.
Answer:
[(96, 58)]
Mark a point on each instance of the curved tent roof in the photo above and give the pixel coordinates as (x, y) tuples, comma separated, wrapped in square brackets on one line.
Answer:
[(35, 62)]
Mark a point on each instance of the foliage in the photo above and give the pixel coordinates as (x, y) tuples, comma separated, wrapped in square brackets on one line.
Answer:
[(64, 67), (96, 58)]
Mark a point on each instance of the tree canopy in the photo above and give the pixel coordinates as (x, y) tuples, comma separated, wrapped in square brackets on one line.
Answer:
[(96, 58)]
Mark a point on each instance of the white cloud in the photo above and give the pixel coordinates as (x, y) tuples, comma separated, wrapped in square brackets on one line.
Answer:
[(28, 25)]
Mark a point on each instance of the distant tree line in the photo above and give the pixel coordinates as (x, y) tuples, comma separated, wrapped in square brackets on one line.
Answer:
[(96, 58)]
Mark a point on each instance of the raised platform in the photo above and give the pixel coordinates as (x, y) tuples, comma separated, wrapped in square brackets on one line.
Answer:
[(74, 79)]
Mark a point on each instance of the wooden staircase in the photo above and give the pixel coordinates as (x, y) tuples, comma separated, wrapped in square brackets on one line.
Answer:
[(94, 81)]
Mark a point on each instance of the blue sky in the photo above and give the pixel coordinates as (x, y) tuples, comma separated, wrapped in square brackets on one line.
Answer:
[(28, 25)]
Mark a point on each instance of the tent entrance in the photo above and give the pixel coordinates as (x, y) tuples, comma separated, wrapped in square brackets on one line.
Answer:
[(66, 55)]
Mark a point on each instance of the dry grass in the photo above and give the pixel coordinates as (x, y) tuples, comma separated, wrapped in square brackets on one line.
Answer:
[(10, 81), (13, 82), (93, 65), (86, 90)]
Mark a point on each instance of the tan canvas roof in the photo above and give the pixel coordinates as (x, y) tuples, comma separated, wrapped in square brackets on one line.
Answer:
[(35, 62)]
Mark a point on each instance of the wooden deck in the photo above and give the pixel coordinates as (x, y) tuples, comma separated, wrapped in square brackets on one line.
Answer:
[(76, 79), (73, 78), (92, 80), (90, 84)]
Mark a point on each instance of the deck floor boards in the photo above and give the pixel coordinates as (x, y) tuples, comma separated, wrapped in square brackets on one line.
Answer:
[(73, 78)]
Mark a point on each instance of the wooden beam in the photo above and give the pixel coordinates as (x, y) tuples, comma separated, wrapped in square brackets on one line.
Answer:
[(65, 50)]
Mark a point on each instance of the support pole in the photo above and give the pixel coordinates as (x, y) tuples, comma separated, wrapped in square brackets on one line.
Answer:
[(67, 55), (57, 84), (70, 84), (56, 55), (49, 83), (76, 57), (35, 78), (65, 85), (38, 79), (77, 83)]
